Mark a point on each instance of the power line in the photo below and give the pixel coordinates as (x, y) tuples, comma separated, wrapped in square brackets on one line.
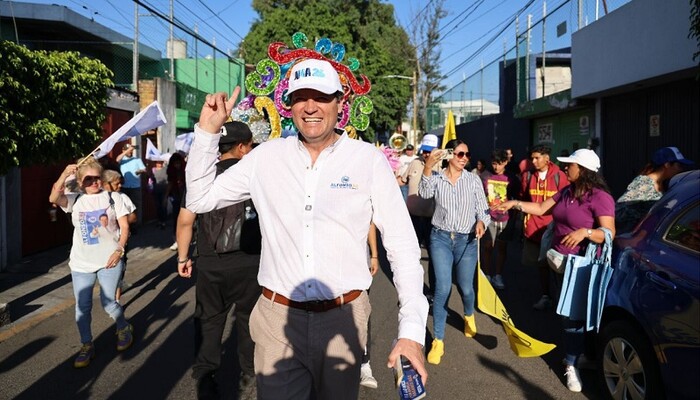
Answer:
[(490, 41), (222, 21), (186, 30)]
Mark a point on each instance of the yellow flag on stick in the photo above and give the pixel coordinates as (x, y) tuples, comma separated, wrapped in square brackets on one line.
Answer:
[(489, 303), (450, 130)]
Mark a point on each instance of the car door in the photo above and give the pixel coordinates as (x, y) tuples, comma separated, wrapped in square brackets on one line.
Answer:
[(669, 295)]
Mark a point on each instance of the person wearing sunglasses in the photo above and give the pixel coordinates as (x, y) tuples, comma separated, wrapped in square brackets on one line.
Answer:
[(94, 257), (460, 220)]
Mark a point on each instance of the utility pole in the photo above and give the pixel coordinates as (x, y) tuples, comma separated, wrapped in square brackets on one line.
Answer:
[(171, 44), (415, 109), (135, 56)]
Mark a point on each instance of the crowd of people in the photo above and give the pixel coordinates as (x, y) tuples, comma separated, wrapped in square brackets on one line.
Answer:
[(298, 271)]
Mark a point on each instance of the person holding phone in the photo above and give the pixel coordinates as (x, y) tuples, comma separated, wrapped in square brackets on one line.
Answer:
[(460, 219)]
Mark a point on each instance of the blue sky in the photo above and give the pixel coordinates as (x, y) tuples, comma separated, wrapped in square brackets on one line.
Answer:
[(475, 32)]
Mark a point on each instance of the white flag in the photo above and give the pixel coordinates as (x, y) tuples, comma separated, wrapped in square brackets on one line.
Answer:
[(149, 118), (151, 151), (183, 142), (153, 154)]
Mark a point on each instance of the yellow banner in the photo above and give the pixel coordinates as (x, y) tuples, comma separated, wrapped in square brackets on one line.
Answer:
[(489, 303), (450, 132)]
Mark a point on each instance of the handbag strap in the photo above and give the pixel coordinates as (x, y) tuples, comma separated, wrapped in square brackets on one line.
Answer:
[(606, 248)]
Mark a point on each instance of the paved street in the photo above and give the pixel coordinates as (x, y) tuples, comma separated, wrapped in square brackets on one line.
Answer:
[(37, 351)]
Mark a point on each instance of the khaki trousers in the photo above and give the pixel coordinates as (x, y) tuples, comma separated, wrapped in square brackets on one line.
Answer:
[(304, 355)]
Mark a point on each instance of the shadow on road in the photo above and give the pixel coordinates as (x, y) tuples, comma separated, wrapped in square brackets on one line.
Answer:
[(168, 358)]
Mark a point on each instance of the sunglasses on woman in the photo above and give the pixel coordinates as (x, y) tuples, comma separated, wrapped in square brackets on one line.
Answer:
[(90, 179), (462, 154)]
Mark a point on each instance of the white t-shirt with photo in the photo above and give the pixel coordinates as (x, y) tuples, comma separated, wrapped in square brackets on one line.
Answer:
[(96, 230)]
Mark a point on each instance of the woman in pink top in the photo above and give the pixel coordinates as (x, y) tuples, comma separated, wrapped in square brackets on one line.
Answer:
[(578, 211)]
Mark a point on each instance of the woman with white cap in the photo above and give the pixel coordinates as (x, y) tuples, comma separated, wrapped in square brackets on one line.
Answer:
[(578, 211)]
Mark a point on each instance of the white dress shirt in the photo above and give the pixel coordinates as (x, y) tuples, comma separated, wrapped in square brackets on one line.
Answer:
[(315, 219)]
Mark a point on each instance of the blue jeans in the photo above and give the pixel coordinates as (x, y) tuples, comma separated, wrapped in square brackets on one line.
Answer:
[(574, 340), (404, 192), (449, 249), (83, 284)]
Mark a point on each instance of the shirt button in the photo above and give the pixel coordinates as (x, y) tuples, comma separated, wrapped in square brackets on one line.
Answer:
[(308, 207)]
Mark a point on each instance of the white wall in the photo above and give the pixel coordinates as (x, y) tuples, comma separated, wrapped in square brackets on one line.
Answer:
[(640, 40)]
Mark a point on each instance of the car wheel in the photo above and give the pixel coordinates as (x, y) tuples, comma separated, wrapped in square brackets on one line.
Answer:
[(627, 368)]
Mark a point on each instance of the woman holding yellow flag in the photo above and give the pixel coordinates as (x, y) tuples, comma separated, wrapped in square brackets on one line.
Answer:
[(460, 219)]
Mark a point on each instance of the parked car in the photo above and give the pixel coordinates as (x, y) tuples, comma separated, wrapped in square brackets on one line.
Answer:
[(648, 345)]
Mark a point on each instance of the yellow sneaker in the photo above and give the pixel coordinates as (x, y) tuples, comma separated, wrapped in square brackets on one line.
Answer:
[(469, 326), (436, 351)]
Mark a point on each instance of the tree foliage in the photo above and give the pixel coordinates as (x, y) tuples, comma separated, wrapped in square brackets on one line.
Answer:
[(51, 105), (427, 39), (369, 32)]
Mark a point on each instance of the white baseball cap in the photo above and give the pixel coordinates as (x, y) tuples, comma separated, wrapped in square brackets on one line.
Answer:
[(314, 74), (583, 157), (429, 142)]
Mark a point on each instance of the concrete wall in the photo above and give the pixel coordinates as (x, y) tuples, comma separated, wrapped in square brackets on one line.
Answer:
[(641, 40)]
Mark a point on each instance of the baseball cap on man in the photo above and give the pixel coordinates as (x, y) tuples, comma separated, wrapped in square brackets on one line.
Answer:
[(410, 147), (429, 142), (669, 154), (314, 74), (235, 132), (583, 157)]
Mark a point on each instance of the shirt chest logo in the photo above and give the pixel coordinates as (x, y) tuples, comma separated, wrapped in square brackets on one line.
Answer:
[(344, 184)]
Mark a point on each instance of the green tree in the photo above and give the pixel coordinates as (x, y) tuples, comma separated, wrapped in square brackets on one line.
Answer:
[(51, 105), (369, 32)]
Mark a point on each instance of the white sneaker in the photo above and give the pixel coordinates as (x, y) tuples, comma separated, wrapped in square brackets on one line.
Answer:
[(497, 282), (543, 303), (174, 247), (573, 380), (366, 378)]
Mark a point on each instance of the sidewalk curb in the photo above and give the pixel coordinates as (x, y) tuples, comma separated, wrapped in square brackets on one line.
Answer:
[(13, 329)]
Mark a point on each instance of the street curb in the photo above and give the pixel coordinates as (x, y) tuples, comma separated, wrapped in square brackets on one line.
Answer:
[(13, 329)]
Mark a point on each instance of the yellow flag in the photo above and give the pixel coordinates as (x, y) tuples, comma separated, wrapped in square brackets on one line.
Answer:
[(489, 303), (450, 130)]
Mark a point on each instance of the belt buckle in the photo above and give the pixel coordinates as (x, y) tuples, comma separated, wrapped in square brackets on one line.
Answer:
[(313, 305)]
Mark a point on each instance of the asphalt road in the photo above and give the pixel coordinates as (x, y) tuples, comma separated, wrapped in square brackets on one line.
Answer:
[(37, 362)]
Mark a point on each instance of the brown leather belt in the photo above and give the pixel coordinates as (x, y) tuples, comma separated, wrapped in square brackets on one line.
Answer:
[(313, 306)]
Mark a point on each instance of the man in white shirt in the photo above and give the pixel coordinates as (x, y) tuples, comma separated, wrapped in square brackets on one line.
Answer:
[(316, 196)]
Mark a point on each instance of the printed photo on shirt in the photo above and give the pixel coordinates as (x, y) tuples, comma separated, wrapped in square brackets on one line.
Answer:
[(95, 225)]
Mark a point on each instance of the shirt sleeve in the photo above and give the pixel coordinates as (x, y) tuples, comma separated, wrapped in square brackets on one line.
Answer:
[(205, 190), (130, 206), (603, 205), (120, 209), (482, 205), (399, 240), (426, 186)]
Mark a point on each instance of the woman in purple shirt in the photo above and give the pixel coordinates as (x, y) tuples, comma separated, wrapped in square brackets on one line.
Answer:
[(578, 211)]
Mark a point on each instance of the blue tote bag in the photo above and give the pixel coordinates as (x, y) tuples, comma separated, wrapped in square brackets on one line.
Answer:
[(601, 273), (582, 291)]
